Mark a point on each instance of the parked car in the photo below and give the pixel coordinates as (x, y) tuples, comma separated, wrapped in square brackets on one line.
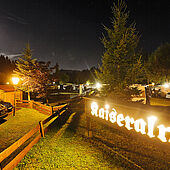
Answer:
[(8, 105), (168, 95), (3, 112)]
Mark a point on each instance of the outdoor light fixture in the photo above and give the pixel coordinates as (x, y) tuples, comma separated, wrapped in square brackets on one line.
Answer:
[(166, 85), (98, 85), (87, 83), (107, 106), (15, 81)]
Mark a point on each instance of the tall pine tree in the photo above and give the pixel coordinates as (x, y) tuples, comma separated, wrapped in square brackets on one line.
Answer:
[(35, 76), (119, 58), (26, 68)]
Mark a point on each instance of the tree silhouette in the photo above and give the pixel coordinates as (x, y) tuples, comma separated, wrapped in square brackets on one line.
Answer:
[(34, 75), (158, 65), (6, 69), (119, 62)]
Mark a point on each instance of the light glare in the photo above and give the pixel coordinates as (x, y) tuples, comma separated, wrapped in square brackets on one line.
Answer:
[(98, 85), (166, 85), (107, 106), (15, 80)]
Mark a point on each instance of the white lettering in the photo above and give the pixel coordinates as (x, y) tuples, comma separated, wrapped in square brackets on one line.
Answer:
[(107, 111), (140, 126), (101, 113), (112, 116), (151, 122), (94, 108), (162, 131), (120, 118), (128, 122)]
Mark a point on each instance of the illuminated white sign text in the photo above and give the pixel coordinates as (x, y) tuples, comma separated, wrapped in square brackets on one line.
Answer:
[(139, 125)]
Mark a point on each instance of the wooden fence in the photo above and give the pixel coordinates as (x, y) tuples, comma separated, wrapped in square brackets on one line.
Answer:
[(7, 152), (48, 110)]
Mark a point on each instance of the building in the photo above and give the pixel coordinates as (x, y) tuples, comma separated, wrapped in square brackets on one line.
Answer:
[(7, 93)]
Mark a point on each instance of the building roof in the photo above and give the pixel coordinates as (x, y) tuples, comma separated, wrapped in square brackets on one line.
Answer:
[(7, 87)]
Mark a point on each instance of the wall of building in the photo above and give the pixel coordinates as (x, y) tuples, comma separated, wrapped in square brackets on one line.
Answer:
[(9, 96)]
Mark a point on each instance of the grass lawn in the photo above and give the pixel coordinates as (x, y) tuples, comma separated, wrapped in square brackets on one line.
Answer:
[(63, 148), (16, 127)]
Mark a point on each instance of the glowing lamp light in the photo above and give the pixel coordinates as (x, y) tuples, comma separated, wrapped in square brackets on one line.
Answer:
[(98, 85), (7, 82), (15, 80), (166, 85), (107, 106), (87, 83)]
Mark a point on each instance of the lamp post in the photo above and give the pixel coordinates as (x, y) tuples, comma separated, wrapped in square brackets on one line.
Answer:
[(15, 81)]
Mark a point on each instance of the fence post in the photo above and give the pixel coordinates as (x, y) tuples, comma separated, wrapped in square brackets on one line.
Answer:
[(41, 129), (88, 131), (30, 104), (51, 109)]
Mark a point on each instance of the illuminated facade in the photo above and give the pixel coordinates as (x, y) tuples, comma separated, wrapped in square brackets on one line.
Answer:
[(7, 93)]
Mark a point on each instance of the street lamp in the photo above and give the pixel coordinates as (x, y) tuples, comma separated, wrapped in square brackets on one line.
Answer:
[(166, 85), (15, 81), (98, 85)]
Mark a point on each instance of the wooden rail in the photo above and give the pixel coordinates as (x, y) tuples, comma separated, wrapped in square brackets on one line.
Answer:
[(7, 152), (17, 144), (48, 110), (56, 108), (41, 108)]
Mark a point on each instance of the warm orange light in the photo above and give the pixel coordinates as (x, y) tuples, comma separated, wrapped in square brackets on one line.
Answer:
[(166, 85), (15, 80), (98, 85)]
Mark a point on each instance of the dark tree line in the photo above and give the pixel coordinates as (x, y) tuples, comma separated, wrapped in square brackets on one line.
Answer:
[(77, 76), (6, 69)]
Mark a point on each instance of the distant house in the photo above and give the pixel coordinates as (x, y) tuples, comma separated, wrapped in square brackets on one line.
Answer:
[(7, 93)]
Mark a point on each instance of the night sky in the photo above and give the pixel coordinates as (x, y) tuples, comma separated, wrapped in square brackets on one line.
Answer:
[(69, 31)]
